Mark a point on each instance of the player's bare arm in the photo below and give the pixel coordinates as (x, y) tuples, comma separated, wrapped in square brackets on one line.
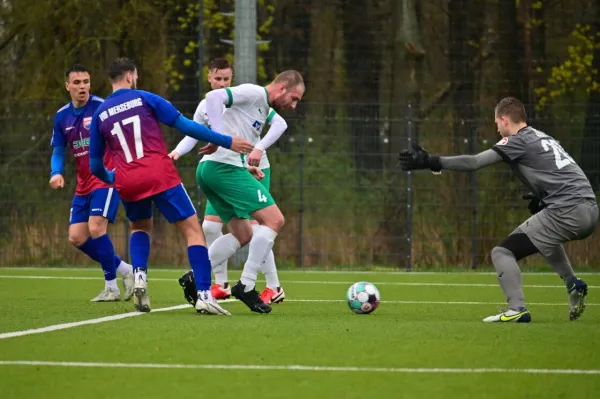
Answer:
[(419, 158)]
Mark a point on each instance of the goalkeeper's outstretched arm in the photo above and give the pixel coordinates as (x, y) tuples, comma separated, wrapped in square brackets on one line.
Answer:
[(469, 163)]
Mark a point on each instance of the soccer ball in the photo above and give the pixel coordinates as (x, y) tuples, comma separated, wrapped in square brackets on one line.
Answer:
[(363, 297)]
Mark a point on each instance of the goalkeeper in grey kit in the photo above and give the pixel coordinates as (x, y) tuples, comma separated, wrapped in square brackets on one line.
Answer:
[(562, 202)]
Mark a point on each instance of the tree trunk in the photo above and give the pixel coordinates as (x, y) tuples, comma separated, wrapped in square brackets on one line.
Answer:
[(510, 52), (535, 50)]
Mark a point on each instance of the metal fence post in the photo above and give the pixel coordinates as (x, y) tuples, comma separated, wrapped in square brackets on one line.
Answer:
[(300, 261), (300, 235), (474, 198), (409, 191), (200, 82)]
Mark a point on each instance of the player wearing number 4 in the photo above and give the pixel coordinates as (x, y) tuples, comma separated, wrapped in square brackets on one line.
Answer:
[(95, 203), (220, 73), (563, 204), (233, 192), (127, 123)]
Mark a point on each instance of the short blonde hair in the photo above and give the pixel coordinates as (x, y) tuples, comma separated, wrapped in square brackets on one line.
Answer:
[(291, 78)]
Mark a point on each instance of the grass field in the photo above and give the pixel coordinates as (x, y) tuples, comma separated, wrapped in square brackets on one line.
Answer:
[(425, 341)]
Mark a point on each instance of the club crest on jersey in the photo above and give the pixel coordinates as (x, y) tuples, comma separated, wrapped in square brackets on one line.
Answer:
[(257, 125), (87, 122), (503, 141)]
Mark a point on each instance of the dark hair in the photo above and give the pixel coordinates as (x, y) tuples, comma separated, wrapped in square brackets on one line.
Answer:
[(290, 78), (120, 67), (75, 68), (220, 63), (513, 109)]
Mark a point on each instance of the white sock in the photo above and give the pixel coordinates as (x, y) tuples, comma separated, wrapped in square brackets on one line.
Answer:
[(270, 271), (219, 252), (142, 273), (260, 245), (205, 296), (124, 268), (112, 284), (268, 267), (212, 231)]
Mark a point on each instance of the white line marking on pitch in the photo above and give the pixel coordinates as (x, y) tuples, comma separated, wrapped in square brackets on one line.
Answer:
[(105, 319), (441, 302), (65, 326), (295, 367), (468, 272), (396, 283)]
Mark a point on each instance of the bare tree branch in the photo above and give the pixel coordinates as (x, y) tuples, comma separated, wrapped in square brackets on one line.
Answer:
[(10, 36), (451, 87)]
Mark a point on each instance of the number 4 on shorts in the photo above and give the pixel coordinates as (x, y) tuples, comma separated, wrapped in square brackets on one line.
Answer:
[(261, 197)]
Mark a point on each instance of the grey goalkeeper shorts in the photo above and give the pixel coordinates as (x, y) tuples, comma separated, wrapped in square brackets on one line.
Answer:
[(550, 228)]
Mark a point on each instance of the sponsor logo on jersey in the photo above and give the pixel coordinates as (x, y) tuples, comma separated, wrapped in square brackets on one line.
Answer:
[(503, 141), (257, 126), (81, 154), (77, 144), (87, 122)]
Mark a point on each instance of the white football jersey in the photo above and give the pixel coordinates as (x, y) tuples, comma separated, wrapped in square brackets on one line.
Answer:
[(245, 115)]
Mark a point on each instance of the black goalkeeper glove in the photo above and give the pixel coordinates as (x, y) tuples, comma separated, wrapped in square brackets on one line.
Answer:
[(419, 158), (188, 284), (535, 204)]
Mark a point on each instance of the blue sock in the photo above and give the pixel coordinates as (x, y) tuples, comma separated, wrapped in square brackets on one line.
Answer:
[(106, 256), (198, 257), (139, 247), (89, 249), (117, 260)]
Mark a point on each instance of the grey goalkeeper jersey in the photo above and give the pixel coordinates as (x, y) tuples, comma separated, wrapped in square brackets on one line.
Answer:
[(545, 168)]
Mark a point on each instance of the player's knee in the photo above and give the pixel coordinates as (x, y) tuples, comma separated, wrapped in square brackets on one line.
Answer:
[(280, 220), (212, 230), (243, 236), (499, 253), (519, 245), (275, 222), (97, 227), (76, 239)]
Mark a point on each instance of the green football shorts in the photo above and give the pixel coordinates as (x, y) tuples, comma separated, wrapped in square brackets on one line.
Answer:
[(232, 191)]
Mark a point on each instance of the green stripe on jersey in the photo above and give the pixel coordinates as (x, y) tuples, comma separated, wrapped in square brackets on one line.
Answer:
[(267, 93), (271, 115), (230, 97)]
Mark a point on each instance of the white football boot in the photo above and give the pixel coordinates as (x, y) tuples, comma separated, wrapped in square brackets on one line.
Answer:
[(141, 301), (515, 316), (128, 285), (206, 304), (107, 295)]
